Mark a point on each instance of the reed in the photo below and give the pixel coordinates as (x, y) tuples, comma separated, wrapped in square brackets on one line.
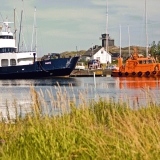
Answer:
[(91, 129)]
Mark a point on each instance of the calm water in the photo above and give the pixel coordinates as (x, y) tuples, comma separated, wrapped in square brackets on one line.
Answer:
[(132, 89)]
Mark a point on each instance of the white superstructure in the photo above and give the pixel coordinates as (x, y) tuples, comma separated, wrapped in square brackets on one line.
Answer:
[(8, 50)]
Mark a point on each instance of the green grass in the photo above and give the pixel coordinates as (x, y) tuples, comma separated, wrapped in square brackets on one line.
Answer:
[(96, 130)]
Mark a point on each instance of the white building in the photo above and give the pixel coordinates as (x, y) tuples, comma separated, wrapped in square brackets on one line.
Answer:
[(99, 53)]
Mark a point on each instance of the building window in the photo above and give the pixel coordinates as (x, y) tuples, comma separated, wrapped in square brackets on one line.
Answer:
[(98, 58), (101, 52), (4, 62), (12, 62)]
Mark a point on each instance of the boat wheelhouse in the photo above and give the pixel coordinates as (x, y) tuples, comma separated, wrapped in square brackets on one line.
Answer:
[(8, 50)]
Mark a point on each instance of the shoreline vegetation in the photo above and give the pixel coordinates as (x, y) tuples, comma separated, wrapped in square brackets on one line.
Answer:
[(93, 129), (112, 49)]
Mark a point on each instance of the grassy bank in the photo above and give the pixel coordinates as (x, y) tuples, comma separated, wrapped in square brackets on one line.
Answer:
[(99, 129)]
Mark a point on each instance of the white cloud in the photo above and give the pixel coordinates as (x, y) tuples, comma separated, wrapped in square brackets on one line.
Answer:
[(75, 22)]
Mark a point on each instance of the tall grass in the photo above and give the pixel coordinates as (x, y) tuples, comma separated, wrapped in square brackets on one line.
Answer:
[(102, 129)]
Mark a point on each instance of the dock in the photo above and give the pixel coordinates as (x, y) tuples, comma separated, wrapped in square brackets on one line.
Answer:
[(90, 73)]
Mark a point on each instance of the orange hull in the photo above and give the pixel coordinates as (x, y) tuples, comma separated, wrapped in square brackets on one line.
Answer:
[(137, 66), (134, 74)]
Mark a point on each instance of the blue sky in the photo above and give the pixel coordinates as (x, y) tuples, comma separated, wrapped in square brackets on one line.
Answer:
[(64, 24)]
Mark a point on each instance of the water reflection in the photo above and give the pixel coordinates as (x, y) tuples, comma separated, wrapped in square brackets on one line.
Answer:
[(130, 88), (40, 82), (139, 82)]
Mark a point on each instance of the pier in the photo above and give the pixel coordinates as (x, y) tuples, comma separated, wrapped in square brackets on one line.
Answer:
[(90, 73)]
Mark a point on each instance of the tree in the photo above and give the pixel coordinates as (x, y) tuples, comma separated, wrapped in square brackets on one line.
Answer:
[(158, 51), (153, 49)]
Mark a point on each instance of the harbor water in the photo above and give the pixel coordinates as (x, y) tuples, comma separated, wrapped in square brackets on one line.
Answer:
[(132, 90)]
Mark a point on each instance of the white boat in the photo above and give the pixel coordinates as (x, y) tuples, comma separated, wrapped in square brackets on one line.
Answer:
[(15, 64)]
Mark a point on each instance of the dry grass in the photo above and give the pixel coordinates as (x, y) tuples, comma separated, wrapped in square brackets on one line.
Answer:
[(100, 129)]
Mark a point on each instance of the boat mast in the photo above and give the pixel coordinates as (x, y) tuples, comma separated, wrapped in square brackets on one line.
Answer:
[(120, 39), (92, 52), (15, 25), (120, 61), (20, 30), (129, 41), (107, 31), (107, 28), (34, 32), (146, 28)]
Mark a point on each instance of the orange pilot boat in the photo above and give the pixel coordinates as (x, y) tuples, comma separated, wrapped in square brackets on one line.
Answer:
[(137, 66)]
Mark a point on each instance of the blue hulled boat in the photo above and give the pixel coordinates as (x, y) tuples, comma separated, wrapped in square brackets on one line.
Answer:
[(24, 65)]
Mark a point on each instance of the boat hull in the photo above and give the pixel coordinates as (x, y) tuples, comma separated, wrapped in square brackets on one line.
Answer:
[(134, 74), (40, 69)]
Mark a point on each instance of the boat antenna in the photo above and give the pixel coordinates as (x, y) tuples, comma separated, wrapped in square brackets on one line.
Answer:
[(146, 28), (20, 30), (120, 39), (129, 41)]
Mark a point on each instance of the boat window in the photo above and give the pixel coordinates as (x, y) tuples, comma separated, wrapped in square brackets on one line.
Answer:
[(6, 37), (140, 62), (7, 50), (12, 62), (4, 62), (144, 61), (25, 60), (149, 61)]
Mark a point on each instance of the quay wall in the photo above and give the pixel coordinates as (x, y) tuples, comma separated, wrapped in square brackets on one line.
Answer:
[(90, 73)]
